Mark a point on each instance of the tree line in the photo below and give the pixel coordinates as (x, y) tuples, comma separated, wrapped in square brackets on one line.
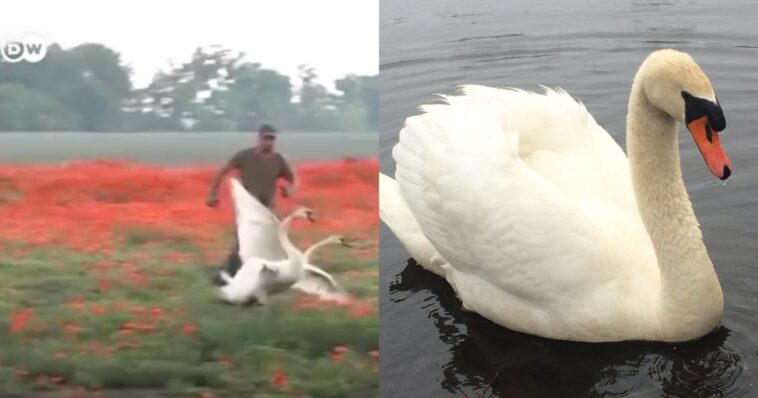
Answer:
[(89, 88)]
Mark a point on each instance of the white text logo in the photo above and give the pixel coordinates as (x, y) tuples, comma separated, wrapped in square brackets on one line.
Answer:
[(27, 49)]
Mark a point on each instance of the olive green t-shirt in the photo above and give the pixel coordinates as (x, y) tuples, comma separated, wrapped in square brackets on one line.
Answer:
[(259, 172)]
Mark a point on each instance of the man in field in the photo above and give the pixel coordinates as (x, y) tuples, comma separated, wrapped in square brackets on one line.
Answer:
[(260, 168)]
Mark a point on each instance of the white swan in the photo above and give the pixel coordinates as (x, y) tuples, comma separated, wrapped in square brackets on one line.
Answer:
[(539, 221), (314, 280), (258, 277)]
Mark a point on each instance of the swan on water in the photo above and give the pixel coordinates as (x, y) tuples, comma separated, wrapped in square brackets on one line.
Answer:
[(541, 223)]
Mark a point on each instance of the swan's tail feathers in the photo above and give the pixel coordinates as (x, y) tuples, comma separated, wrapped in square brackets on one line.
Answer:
[(394, 211)]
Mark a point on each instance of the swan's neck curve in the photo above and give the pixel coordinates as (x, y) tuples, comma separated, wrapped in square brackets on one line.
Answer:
[(309, 251), (690, 297), (293, 254)]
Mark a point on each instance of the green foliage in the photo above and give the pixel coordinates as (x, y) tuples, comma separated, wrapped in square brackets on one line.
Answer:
[(231, 351), (24, 108), (361, 93), (88, 88)]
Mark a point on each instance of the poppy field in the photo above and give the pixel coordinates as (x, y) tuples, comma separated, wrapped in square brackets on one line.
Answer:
[(105, 271)]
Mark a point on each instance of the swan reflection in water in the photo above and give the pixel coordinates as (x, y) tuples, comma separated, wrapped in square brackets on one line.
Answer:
[(490, 360)]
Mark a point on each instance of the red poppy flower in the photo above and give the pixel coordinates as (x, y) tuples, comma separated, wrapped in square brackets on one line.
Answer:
[(19, 319), (189, 330), (117, 201), (279, 380), (339, 353)]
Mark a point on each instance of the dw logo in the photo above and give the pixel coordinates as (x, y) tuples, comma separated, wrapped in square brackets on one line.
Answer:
[(29, 50)]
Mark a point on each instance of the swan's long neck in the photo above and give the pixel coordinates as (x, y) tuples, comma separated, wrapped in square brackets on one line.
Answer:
[(690, 295), (309, 251), (293, 254)]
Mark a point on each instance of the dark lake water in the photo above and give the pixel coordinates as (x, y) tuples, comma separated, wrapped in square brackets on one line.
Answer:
[(430, 348)]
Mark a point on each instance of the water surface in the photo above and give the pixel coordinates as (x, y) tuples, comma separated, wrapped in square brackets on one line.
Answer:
[(432, 348)]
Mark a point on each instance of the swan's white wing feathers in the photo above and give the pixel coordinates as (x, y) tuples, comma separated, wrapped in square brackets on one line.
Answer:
[(395, 213), (256, 226), (560, 140), (246, 205), (479, 204), (318, 282)]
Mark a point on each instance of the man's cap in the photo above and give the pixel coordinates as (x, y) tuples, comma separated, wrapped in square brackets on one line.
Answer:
[(267, 129)]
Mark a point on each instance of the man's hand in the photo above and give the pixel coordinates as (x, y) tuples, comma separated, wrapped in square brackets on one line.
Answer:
[(212, 201), (288, 190)]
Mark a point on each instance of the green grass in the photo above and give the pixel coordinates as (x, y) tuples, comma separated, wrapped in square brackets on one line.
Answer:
[(184, 341)]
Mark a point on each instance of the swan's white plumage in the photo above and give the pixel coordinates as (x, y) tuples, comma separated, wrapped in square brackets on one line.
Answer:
[(554, 129), (314, 280), (259, 277), (270, 263), (317, 282), (505, 185), (540, 222), (396, 214), (256, 226), (266, 268), (251, 281)]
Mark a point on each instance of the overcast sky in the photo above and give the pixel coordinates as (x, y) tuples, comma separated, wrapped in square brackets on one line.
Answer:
[(334, 36)]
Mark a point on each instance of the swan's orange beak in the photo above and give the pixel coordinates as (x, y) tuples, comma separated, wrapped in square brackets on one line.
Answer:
[(709, 145)]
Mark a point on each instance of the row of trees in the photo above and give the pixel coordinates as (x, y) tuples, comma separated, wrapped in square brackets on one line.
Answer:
[(88, 88)]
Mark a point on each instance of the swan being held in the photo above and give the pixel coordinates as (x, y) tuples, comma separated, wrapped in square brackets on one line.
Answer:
[(540, 222), (256, 232), (258, 277)]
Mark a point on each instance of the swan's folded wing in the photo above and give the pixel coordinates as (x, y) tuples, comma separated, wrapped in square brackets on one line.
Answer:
[(487, 213), (395, 213), (319, 283), (561, 141), (256, 228)]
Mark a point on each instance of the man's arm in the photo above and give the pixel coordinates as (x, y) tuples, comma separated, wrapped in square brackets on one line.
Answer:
[(233, 163)]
